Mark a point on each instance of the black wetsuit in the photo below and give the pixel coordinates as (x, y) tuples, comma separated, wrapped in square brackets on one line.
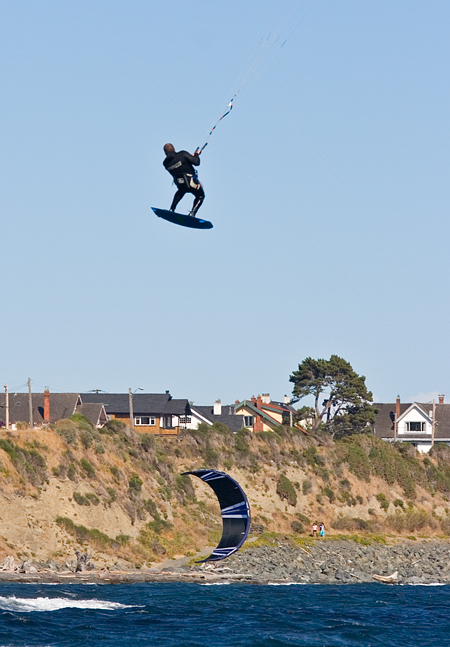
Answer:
[(181, 167)]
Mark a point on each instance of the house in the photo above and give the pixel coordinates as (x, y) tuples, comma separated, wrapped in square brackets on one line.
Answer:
[(49, 408), (413, 422), (154, 413), (225, 414), (263, 414)]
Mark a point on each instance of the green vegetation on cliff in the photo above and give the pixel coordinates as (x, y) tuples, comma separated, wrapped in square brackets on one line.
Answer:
[(133, 487)]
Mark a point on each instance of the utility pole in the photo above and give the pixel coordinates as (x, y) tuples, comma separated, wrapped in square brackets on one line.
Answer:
[(130, 395), (7, 406), (30, 403), (433, 424), (395, 427)]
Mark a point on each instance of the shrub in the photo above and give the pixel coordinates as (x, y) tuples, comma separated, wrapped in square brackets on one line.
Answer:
[(150, 506), (445, 524), (210, 456), (82, 422), (359, 499), (286, 490), (82, 534), (384, 503), (327, 491), (81, 499), (72, 471), (67, 429), (345, 485), (59, 471), (312, 457), (85, 464), (158, 525), (343, 523), (28, 462), (99, 448), (86, 438), (115, 472), (21, 424), (148, 442), (240, 441), (399, 503), (306, 487), (184, 484), (410, 520), (297, 527), (112, 494), (112, 427), (358, 462), (135, 483), (93, 498), (302, 517)]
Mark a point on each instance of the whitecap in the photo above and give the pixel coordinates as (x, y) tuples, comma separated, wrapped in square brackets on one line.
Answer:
[(26, 605), (215, 583), (426, 584), (286, 583)]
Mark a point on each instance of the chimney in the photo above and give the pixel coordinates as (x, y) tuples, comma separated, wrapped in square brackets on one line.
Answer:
[(265, 398), (441, 398), (236, 402), (259, 402), (218, 407), (397, 407), (46, 405), (287, 399), (253, 400)]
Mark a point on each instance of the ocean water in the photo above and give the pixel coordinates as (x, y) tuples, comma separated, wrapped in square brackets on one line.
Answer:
[(225, 615)]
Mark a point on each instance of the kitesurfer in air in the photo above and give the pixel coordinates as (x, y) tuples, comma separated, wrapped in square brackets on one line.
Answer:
[(181, 167)]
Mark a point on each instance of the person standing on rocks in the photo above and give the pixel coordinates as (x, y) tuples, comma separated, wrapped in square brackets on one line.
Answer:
[(314, 528), (322, 530)]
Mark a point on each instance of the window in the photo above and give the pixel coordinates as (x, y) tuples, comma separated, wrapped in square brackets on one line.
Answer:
[(149, 421), (415, 426), (248, 421), (167, 421), (185, 420)]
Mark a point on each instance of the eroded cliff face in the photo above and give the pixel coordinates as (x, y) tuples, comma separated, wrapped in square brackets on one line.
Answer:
[(120, 494)]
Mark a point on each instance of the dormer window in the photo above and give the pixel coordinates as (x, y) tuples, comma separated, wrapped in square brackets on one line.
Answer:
[(415, 426)]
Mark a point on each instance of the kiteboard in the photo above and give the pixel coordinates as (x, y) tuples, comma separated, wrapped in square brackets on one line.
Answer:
[(182, 219)]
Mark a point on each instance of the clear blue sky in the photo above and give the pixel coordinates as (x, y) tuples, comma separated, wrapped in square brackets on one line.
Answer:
[(328, 188)]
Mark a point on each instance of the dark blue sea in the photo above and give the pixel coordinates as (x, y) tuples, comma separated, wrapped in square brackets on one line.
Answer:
[(191, 615)]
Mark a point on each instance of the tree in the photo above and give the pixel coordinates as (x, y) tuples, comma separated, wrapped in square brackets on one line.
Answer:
[(342, 403)]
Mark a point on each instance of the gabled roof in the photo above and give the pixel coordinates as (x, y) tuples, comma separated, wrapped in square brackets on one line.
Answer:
[(258, 412), (280, 406), (143, 403), (384, 421), (94, 411), (417, 407), (232, 420), (62, 405)]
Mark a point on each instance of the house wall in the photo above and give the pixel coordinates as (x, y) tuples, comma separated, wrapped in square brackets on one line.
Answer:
[(153, 429), (274, 413), (263, 426), (415, 415)]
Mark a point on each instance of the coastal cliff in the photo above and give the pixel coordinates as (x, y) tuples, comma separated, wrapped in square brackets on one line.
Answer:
[(120, 495)]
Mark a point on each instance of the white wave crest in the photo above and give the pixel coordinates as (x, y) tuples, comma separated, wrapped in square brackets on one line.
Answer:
[(286, 583), (215, 584), (26, 605)]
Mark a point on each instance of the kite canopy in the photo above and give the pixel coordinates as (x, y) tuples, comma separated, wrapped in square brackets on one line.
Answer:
[(235, 512)]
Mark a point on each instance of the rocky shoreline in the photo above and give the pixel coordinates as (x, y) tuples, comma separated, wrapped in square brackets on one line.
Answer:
[(344, 562), (322, 562)]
